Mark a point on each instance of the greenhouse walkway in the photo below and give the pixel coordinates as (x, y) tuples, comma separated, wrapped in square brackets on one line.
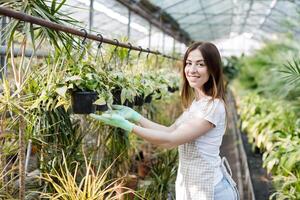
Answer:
[(232, 148)]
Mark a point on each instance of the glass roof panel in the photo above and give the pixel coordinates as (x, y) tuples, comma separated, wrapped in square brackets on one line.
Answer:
[(202, 20)]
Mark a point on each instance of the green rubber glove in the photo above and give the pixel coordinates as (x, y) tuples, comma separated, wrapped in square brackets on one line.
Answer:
[(127, 113), (114, 120)]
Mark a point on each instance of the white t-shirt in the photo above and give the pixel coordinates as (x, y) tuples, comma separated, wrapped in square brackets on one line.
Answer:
[(209, 144)]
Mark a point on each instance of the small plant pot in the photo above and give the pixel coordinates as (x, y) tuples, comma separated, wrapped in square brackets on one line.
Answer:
[(128, 103), (82, 102), (102, 108), (148, 98), (139, 100), (116, 96), (143, 169), (172, 89), (131, 182), (158, 92)]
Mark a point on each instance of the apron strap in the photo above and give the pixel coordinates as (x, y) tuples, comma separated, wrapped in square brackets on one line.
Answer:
[(228, 175), (226, 165)]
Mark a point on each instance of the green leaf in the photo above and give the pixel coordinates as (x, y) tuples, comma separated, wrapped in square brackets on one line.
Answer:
[(100, 101), (61, 91)]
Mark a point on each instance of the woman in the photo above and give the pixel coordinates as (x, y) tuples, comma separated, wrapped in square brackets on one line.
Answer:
[(198, 132)]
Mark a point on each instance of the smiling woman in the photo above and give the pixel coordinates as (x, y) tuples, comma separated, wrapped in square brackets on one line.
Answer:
[(197, 133), (202, 63)]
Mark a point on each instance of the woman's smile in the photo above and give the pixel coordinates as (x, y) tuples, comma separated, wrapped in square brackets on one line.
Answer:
[(193, 78)]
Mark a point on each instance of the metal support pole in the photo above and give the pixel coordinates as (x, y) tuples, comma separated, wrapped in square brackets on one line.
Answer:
[(150, 34), (129, 22), (174, 41), (91, 15), (163, 42), (2, 57)]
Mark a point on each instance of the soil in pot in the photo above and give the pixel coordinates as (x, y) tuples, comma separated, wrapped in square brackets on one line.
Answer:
[(131, 182), (172, 89), (139, 100), (143, 169), (116, 92), (128, 103), (158, 92), (102, 108), (148, 98), (82, 102)]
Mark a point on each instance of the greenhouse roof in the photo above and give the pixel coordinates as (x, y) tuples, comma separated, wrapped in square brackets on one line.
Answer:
[(221, 19)]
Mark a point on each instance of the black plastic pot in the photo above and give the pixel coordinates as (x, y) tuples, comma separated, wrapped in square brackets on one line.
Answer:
[(148, 98), (139, 100), (82, 102), (116, 92), (128, 103), (172, 89), (158, 92), (102, 108)]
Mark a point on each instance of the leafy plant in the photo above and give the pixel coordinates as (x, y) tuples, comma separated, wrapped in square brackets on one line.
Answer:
[(163, 173), (93, 185)]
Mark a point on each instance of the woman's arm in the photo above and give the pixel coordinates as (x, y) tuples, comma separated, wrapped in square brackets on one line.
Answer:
[(184, 133), (146, 123)]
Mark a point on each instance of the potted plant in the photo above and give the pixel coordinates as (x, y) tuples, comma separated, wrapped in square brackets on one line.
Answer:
[(87, 88), (122, 89)]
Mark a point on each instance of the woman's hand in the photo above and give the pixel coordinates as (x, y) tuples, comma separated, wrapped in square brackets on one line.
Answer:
[(127, 113), (114, 120)]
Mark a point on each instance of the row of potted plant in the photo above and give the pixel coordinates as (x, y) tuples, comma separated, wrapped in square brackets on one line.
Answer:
[(93, 88), (275, 131)]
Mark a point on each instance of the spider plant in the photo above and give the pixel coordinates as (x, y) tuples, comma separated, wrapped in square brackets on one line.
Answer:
[(94, 184)]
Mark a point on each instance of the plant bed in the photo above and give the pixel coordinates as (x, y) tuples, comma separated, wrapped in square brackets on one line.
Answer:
[(82, 102), (262, 183)]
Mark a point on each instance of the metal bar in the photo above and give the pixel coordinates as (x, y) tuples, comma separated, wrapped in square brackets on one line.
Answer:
[(175, 4), (205, 20), (150, 30), (17, 52), (91, 15), (242, 29), (58, 27), (163, 42), (196, 11), (128, 24), (267, 16)]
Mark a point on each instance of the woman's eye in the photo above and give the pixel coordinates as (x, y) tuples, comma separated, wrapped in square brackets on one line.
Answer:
[(200, 64)]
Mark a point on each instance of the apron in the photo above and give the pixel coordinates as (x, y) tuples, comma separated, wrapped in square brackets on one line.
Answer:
[(195, 175)]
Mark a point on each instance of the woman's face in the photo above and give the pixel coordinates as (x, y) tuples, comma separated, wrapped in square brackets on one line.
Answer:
[(195, 70)]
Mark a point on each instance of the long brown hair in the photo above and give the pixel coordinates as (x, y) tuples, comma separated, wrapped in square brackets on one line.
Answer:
[(214, 87)]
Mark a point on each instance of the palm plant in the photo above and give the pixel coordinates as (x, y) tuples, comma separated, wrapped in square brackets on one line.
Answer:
[(292, 72)]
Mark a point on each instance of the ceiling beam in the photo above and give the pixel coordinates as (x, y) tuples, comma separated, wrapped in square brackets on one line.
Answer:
[(246, 17), (173, 5), (198, 10), (162, 21), (201, 21)]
